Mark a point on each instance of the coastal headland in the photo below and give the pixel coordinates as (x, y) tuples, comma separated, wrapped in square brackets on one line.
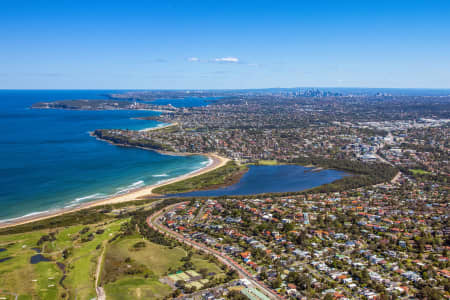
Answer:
[(184, 134), (215, 161)]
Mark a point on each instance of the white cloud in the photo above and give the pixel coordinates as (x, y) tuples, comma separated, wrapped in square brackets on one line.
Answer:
[(193, 59), (227, 59)]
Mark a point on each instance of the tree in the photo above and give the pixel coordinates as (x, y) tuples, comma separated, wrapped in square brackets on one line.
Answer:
[(180, 284), (235, 295), (263, 275), (176, 293), (430, 293), (276, 283), (328, 297)]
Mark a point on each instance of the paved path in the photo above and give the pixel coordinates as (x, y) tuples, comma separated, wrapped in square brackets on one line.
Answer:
[(153, 222), (100, 291), (382, 159), (396, 177), (16, 296)]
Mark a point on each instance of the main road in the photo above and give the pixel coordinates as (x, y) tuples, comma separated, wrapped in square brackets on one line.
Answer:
[(399, 173), (154, 222)]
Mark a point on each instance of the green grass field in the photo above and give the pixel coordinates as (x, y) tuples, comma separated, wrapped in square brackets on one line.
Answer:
[(419, 172), (136, 288), (226, 175), (267, 162), (20, 277), (83, 263), (74, 253), (201, 263), (158, 260), (41, 280)]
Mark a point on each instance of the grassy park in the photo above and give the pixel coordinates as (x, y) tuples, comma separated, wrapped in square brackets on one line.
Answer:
[(419, 172), (132, 267), (223, 176), (135, 272), (72, 252), (267, 162)]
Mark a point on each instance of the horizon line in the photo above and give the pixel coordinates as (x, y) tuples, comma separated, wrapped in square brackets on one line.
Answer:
[(217, 89)]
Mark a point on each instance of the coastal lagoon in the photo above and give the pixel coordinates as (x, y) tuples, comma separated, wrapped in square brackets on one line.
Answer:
[(48, 160), (273, 179)]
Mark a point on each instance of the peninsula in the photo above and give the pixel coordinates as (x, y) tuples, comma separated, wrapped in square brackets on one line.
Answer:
[(95, 104), (379, 234)]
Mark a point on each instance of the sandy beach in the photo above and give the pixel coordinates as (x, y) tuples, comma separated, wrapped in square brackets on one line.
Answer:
[(159, 127), (216, 161)]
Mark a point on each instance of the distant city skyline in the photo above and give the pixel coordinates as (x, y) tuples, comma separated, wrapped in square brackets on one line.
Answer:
[(224, 45)]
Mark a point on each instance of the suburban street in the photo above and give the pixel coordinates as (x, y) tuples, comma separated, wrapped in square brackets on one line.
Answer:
[(153, 222)]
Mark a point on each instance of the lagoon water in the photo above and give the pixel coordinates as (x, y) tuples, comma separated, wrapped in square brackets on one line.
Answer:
[(48, 160), (273, 179)]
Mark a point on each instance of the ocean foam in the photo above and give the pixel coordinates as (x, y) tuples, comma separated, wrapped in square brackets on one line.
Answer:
[(208, 162), (35, 213), (155, 127), (161, 175), (135, 185), (25, 216), (89, 197), (120, 191)]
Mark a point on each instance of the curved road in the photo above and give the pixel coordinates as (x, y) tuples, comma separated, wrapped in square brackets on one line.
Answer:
[(153, 222)]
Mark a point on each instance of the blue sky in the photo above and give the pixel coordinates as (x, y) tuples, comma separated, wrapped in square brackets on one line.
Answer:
[(224, 44)]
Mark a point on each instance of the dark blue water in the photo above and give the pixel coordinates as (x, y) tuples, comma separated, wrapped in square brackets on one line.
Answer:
[(273, 179), (48, 160), (38, 258), (5, 259)]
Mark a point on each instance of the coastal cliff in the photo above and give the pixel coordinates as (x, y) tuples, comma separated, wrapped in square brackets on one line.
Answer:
[(96, 104), (120, 137)]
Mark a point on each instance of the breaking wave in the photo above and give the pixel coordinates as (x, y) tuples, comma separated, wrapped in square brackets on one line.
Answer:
[(161, 175), (91, 197), (135, 185)]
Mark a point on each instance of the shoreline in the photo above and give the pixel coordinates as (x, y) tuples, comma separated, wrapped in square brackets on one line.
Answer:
[(216, 161), (165, 152), (159, 127)]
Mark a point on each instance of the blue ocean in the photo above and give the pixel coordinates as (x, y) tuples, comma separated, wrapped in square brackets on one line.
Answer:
[(48, 160)]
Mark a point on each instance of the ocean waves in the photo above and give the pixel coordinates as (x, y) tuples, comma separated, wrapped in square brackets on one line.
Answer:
[(26, 216), (161, 175), (207, 163), (72, 167), (126, 189), (96, 196), (90, 197), (99, 196)]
